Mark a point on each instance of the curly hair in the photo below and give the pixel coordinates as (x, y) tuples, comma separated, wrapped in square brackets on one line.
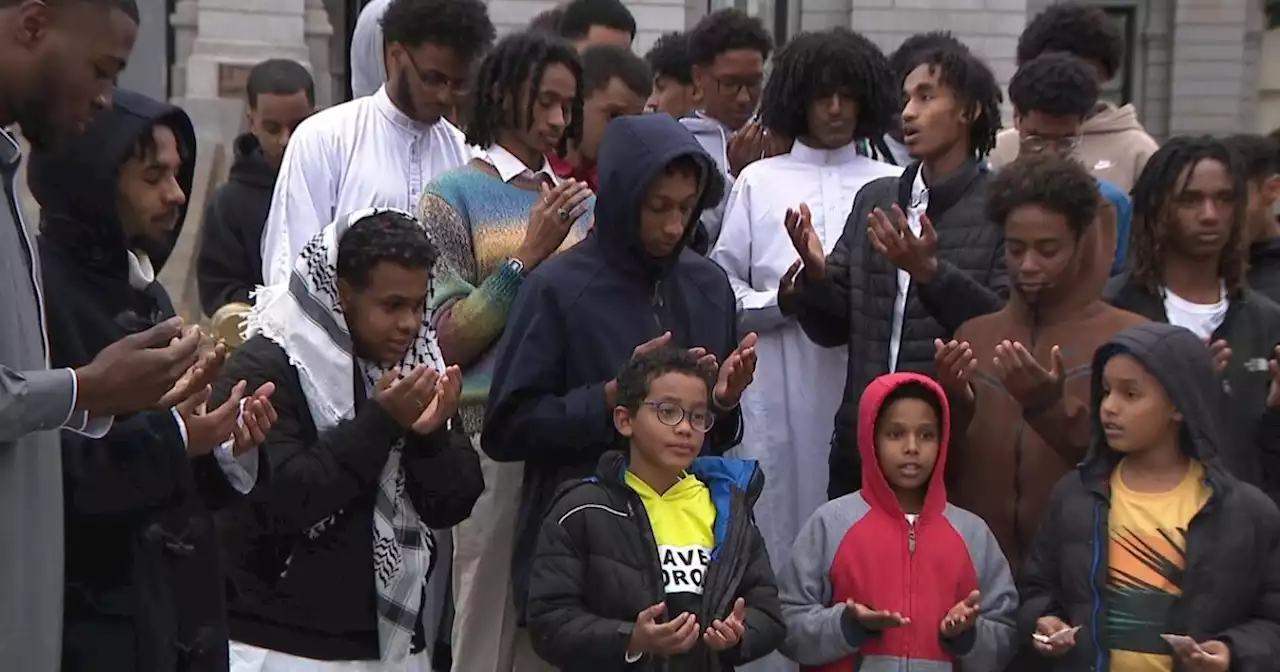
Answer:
[(814, 65), (1085, 31), (1056, 84), (580, 15), (518, 58), (900, 61), (463, 26), (1153, 198), (669, 57), (724, 30), (385, 236), (640, 372), (974, 86), (1055, 183), (1259, 154)]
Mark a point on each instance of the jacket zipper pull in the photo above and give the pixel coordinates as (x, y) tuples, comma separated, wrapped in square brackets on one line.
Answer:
[(911, 537), (657, 294)]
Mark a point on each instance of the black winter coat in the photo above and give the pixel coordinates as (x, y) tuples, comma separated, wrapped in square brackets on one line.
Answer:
[(323, 606), (853, 306), (597, 568), (1252, 329), (315, 598), (229, 265), (144, 586), (1230, 588)]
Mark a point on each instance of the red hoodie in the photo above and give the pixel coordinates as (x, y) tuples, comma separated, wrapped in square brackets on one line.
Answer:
[(862, 547)]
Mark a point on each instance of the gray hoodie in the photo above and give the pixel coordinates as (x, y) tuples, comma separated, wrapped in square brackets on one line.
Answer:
[(714, 137)]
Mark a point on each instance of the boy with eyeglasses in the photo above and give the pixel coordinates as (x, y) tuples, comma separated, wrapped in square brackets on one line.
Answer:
[(655, 563)]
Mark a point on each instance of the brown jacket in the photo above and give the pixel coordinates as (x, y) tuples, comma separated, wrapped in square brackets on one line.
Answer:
[(1009, 453)]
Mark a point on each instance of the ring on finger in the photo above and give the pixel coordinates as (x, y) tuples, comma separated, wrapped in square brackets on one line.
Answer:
[(563, 214)]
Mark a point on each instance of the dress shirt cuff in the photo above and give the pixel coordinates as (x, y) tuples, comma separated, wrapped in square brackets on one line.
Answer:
[(241, 471), (634, 657), (81, 422)]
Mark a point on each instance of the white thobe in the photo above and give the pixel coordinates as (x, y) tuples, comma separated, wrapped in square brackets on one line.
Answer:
[(363, 153), (789, 409)]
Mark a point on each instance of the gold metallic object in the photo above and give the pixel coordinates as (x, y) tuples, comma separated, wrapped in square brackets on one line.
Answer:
[(228, 323)]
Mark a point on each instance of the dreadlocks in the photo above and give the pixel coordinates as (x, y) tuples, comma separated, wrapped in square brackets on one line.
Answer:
[(975, 88), (814, 65), (516, 59), (1154, 196)]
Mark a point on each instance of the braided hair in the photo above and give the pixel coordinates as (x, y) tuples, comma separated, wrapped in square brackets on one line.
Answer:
[(1153, 198), (516, 59), (813, 65)]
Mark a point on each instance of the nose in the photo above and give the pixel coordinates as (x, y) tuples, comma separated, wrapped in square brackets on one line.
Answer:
[(652, 103), (1210, 211), (285, 135), (911, 446), (557, 118), (1028, 264), (743, 95), (909, 111), (102, 101), (675, 225), (174, 196), (1108, 406)]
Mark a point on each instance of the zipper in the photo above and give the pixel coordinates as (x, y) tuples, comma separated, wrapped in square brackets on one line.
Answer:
[(646, 531), (911, 584), (658, 305)]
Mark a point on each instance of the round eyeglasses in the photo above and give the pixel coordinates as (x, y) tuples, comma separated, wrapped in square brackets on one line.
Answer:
[(670, 414)]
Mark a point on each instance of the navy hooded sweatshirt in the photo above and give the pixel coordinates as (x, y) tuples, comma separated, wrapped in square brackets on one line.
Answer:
[(144, 585), (580, 315)]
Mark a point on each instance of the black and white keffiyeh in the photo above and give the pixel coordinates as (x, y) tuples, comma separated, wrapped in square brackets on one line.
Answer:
[(305, 319)]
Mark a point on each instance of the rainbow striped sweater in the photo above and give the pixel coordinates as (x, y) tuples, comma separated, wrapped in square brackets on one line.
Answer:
[(477, 221)]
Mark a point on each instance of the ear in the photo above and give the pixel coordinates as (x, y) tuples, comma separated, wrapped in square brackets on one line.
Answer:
[(32, 23), (346, 294), (622, 421), (1017, 120), (699, 72), (973, 114), (1271, 189)]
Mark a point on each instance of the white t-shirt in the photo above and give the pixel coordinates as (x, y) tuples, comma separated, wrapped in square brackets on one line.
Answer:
[(1202, 319), (919, 204)]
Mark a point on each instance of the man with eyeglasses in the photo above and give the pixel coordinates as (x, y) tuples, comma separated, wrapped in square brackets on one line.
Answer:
[(383, 149), (728, 49), (1052, 96)]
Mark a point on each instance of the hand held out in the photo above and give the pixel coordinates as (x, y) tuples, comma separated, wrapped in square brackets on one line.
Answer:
[(676, 636)]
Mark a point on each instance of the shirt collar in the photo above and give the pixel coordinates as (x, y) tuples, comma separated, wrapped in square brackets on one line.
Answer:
[(382, 102), (509, 167), (825, 157)]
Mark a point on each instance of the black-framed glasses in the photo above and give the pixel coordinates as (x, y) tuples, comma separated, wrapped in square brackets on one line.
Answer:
[(735, 85), (670, 414), (434, 79)]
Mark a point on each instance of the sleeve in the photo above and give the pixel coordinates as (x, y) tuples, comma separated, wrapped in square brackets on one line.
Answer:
[(759, 590), (311, 478), (302, 203), (955, 297), (35, 401), (442, 475), (1255, 643), (220, 476), (531, 416), (727, 431), (818, 632), (757, 310), (471, 318), (223, 271), (992, 641), (823, 307), (563, 631), (138, 465), (1124, 221), (1039, 583), (712, 218), (1266, 439)]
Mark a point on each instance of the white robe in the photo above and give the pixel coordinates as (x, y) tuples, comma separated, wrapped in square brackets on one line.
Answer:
[(363, 153), (789, 410)]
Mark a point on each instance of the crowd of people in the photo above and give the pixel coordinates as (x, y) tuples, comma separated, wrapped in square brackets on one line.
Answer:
[(538, 354)]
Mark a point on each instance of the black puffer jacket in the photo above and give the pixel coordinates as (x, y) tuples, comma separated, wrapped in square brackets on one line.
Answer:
[(597, 568), (1252, 329), (1230, 589), (854, 305)]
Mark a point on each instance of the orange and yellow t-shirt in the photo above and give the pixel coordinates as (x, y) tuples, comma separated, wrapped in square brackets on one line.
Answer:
[(1147, 557)]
